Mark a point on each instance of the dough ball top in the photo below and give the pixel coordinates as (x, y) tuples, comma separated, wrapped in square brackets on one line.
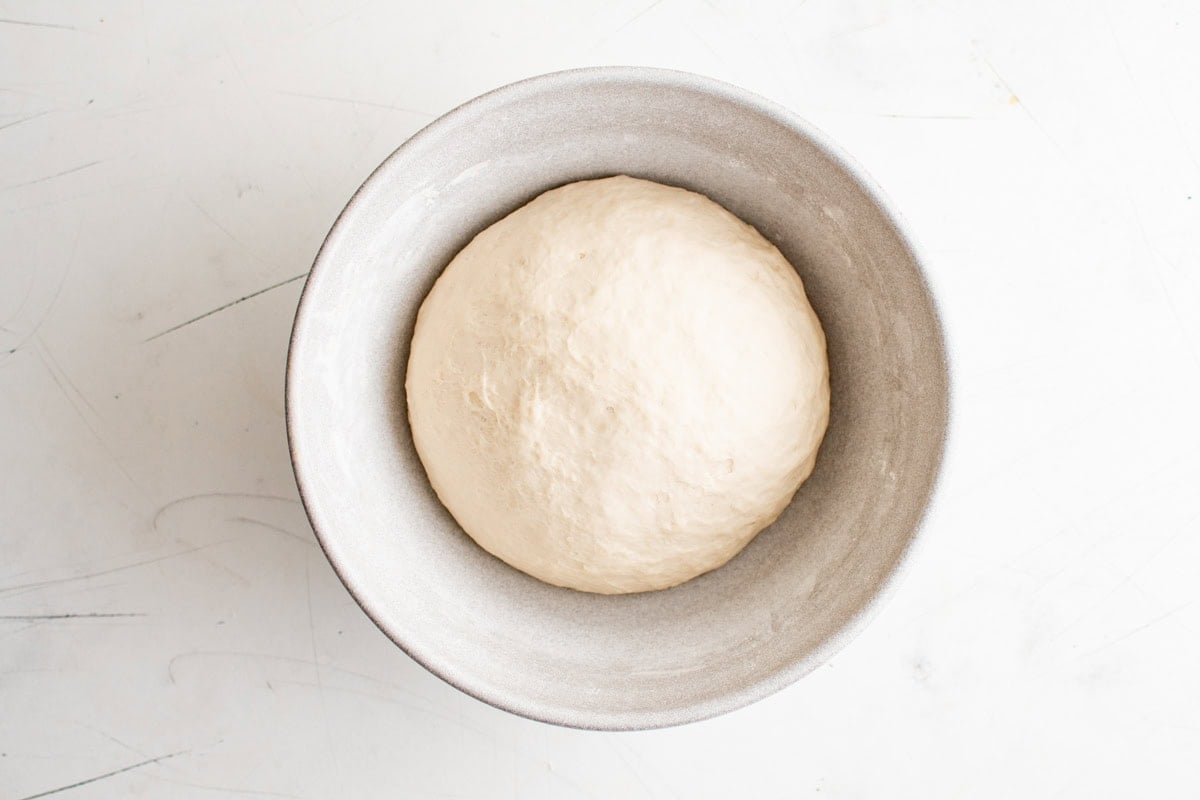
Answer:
[(615, 387)]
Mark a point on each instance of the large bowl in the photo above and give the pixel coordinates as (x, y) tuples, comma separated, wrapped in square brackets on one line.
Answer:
[(801, 589)]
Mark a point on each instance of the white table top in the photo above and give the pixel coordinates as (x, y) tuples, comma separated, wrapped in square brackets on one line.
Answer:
[(168, 627)]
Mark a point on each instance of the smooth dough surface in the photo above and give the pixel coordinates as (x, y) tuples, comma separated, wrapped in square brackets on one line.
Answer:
[(615, 387)]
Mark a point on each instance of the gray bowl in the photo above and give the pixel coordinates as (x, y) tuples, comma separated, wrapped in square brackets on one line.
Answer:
[(801, 589)]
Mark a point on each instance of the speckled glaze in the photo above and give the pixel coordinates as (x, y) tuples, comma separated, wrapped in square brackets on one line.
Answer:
[(801, 589)]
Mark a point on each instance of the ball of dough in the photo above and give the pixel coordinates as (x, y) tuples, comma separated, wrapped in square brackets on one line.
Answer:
[(615, 387)]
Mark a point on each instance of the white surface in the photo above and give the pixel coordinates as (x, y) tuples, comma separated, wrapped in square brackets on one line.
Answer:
[(159, 161)]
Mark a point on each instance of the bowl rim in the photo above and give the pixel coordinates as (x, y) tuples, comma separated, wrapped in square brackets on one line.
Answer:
[(573, 717)]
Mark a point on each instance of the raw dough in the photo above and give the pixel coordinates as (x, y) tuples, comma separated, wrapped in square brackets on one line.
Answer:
[(615, 387)]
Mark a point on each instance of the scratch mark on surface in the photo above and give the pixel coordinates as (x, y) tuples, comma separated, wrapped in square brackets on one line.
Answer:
[(242, 579), (615, 747), (312, 638), (1126, 581), (114, 739), (15, 633), (460, 724), (28, 617), (83, 417), (853, 29), (108, 191), (230, 304), (354, 102), (704, 43), (31, 24), (224, 230), (57, 292), (1015, 98), (1184, 140), (369, 144), (216, 495), (45, 350), (300, 662), (21, 306), (24, 93), (1135, 631), (226, 790), (123, 568), (45, 178), (1095, 510), (1162, 285), (959, 117), (341, 17), (1128, 196), (634, 18), (422, 707), (23, 120), (276, 528), (236, 69), (1121, 54), (795, 9), (76, 785)]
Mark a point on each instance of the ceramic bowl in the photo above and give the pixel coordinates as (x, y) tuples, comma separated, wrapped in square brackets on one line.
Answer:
[(801, 589)]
